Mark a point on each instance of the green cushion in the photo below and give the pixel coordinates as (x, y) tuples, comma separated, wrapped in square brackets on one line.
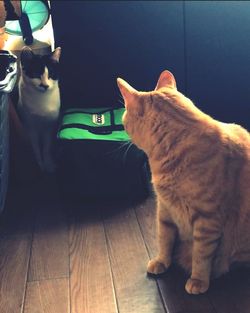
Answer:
[(82, 124)]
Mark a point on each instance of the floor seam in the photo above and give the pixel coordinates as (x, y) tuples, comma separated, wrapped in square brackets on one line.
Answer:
[(110, 265), (149, 256)]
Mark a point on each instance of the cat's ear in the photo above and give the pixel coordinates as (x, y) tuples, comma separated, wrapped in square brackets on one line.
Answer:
[(55, 55), (127, 91), (26, 55), (166, 79)]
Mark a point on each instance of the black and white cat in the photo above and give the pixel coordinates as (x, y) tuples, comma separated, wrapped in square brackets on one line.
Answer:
[(39, 102)]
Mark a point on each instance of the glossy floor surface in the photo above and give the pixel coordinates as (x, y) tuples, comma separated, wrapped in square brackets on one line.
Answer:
[(62, 257)]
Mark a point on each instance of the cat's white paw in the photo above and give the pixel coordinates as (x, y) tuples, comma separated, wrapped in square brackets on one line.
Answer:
[(156, 267), (196, 286)]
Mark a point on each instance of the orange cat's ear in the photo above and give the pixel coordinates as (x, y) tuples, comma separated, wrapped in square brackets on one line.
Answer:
[(127, 91), (166, 79)]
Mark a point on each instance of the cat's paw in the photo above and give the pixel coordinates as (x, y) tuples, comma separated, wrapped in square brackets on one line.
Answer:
[(196, 286), (156, 267)]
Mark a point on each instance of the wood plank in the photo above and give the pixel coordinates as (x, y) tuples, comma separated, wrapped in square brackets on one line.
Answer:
[(50, 251), (240, 281), (129, 257), (91, 280), (176, 299), (172, 283), (14, 259), (15, 244), (231, 293), (47, 296), (147, 221)]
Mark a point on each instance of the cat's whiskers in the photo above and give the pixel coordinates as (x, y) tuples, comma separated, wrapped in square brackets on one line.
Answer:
[(126, 152), (121, 100), (119, 148)]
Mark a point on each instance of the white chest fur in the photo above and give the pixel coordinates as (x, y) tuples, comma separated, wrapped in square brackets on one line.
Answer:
[(36, 102)]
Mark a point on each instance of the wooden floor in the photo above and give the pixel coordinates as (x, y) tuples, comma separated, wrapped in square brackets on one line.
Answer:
[(60, 258)]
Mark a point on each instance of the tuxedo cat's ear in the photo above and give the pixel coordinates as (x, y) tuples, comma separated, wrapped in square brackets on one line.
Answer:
[(166, 79), (26, 55), (127, 91), (55, 56)]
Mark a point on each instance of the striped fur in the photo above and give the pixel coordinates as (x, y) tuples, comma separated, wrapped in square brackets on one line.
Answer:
[(201, 176)]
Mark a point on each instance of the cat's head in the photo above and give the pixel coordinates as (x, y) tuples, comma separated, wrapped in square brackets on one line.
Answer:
[(40, 71), (145, 109)]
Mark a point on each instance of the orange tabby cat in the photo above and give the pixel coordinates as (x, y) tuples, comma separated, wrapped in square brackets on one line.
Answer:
[(201, 176)]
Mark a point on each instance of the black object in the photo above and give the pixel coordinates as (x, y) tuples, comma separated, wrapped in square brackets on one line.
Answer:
[(8, 70), (102, 170), (26, 29), (9, 8)]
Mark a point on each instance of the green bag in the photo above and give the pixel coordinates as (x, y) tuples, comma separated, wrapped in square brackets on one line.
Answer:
[(97, 158), (93, 124)]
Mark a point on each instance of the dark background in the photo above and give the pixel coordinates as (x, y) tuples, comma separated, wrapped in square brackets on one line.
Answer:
[(206, 44)]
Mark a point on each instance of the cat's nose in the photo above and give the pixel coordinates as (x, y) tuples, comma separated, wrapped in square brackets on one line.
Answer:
[(44, 86)]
